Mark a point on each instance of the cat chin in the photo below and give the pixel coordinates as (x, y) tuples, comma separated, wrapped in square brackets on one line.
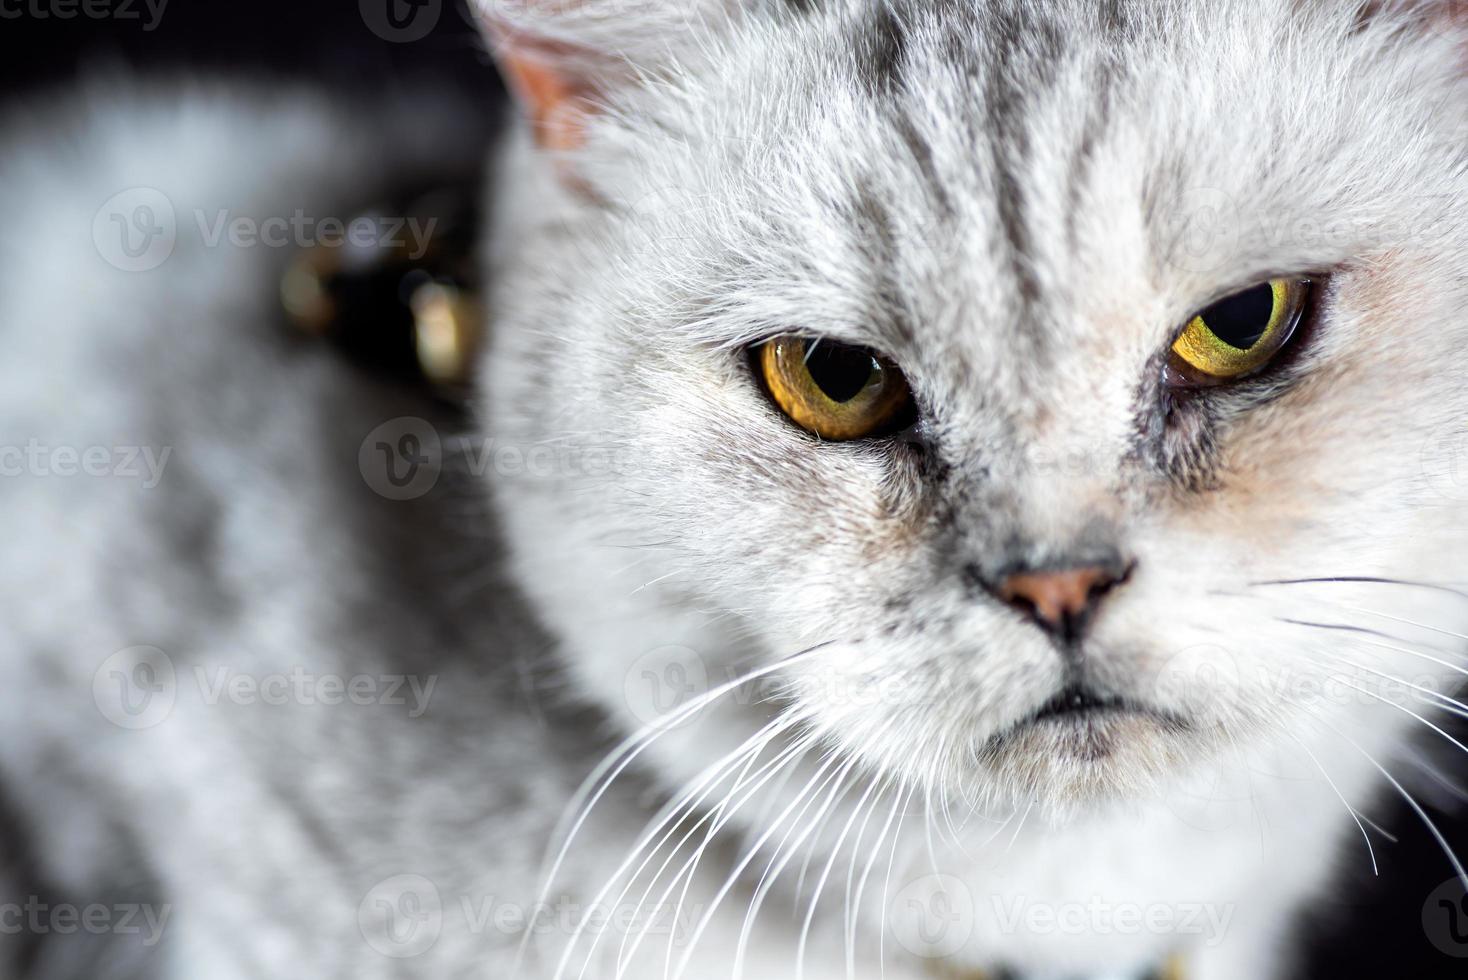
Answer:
[(1074, 764)]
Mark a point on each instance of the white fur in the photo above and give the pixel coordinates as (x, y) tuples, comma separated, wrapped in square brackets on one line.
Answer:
[(724, 539), (721, 212)]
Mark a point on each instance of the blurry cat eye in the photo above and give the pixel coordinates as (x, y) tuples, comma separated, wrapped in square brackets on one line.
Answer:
[(835, 391), (1240, 335)]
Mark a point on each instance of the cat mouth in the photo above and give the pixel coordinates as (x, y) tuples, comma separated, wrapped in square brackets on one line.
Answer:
[(1085, 743), (1080, 705), (1077, 701)]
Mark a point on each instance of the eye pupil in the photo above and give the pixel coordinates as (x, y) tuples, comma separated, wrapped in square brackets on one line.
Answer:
[(1241, 321), (841, 372), (836, 391), (1239, 336)]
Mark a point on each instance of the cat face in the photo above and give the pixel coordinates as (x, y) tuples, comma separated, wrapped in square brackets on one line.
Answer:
[(1072, 573)]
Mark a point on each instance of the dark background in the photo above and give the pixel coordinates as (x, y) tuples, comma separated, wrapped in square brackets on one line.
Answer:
[(1386, 927), (333, 43)]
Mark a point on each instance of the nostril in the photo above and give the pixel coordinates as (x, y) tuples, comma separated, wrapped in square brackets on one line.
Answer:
[(1060, 600)]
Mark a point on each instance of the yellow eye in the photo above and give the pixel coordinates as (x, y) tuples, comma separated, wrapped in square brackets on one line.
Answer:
[(836, 391), (1240, 335)]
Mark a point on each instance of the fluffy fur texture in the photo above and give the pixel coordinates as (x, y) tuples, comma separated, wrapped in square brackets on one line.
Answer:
[(1019, 205)]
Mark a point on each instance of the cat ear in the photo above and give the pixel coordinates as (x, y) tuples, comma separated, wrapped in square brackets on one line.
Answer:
[(563, 58), (551, 79)]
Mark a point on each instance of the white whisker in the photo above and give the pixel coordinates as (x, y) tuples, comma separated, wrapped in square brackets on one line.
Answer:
[(887, 886), (815, 899), (744, 863), (687, 803), (771, 732), (1427, 821), (690, 868), (1349, 809), (783, 854), (853, 905), (606, 772)]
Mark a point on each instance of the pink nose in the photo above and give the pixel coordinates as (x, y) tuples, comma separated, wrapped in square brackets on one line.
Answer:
[(1061, 601)]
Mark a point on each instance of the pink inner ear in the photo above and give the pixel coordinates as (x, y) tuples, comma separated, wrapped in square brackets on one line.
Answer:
[(554, 97)]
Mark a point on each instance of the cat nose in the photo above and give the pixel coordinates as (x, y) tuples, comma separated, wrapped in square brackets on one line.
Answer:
[(1061, 601)]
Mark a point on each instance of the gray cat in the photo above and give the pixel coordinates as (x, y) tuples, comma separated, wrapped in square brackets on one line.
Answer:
[(980, 475)]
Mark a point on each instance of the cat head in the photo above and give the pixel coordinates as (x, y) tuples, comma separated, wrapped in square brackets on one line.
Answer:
[(1047, 401)]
